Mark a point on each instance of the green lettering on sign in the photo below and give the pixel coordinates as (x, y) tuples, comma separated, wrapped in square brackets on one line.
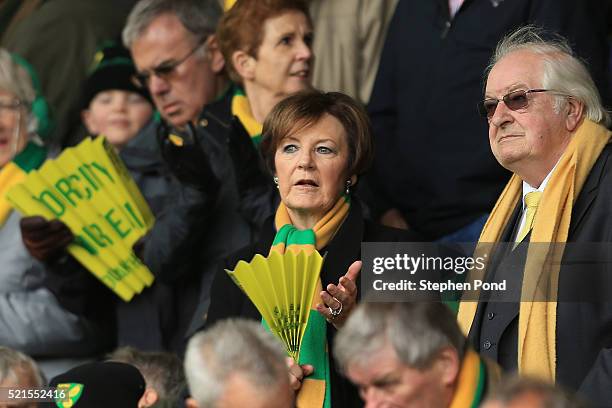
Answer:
[(132, 213), (102, 169), (96, 234), (116, 224), (52, 203), (64, 186), (82, 242)]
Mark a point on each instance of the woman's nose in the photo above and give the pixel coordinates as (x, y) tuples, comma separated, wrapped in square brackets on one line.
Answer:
[(304, 51), (305, 160)]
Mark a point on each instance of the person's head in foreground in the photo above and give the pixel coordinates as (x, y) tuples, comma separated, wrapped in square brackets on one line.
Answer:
[(163, 374), (267, 45), (101, 385), (18, 370), (537, 95), (316, 144), (176, 55), (113, 105), (531, 393), (403, 355), (18, 123), (237, 364)]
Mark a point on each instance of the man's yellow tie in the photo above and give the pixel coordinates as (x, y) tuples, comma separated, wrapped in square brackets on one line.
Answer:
[(531, 202)]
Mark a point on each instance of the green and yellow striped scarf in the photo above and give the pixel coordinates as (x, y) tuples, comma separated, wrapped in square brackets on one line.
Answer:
[(315, 391), (242, 109), (471, 382), (15, 172)]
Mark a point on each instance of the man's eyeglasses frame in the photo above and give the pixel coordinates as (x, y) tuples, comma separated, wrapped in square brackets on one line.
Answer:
[(163, 70), (514, 100)]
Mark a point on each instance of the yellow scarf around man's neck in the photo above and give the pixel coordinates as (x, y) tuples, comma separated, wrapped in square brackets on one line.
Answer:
[(538, 319)]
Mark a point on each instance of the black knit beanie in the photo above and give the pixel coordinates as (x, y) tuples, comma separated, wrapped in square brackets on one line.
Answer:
[(112, 68)]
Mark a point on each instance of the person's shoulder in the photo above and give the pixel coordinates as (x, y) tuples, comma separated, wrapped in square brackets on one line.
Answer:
[(601, 172), (143, 151), (260, 246), (243, 254), (374, 232), (605, 155), (219, 111)]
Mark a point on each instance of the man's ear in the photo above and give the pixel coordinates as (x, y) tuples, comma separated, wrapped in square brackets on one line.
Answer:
[(149, 398), (191, 403), (244, 64), (215, 57), (92, 129), (448, 366), (574, 110)]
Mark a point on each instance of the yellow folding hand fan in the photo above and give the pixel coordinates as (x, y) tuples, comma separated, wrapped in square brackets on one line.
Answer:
[(281, 287)]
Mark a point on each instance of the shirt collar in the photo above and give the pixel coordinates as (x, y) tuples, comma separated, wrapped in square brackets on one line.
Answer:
[(529, 189)]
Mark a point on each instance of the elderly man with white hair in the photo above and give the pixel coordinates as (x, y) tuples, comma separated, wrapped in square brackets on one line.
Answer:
[(411, 355), (547, 125), (236, 364), (18, 370), (525, 392)]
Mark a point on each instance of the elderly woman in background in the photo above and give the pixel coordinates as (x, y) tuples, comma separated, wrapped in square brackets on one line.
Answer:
[(315, 144), (31, 319), (267, 49)]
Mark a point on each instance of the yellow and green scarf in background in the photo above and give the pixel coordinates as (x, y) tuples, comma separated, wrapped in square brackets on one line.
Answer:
[(315, 391), (242, 109), (537, 329), (15, 172), (472, 381)]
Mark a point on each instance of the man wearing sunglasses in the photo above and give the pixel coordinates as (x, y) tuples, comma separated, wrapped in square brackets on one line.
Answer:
[(181, 65), (176, 56), (432, 173), (547, 125)]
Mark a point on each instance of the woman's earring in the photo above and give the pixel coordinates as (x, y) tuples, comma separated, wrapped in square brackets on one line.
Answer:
[(276, 181), (348, 187)]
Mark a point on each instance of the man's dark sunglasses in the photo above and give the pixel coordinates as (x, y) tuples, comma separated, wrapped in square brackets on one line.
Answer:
[(163, 70), (514, 100)]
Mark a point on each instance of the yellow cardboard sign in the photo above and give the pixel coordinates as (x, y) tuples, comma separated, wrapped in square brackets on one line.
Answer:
[(89, 189)]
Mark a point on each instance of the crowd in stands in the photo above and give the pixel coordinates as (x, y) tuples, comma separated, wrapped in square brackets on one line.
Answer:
[(274, 127)]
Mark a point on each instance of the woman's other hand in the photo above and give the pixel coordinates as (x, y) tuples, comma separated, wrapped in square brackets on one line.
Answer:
[(340, 300), (297, 373)]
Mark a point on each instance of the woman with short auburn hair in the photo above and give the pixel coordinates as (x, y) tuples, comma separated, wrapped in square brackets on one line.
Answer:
[(316, 145)]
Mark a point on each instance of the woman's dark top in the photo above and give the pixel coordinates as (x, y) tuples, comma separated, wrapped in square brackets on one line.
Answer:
[(227, 300)]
